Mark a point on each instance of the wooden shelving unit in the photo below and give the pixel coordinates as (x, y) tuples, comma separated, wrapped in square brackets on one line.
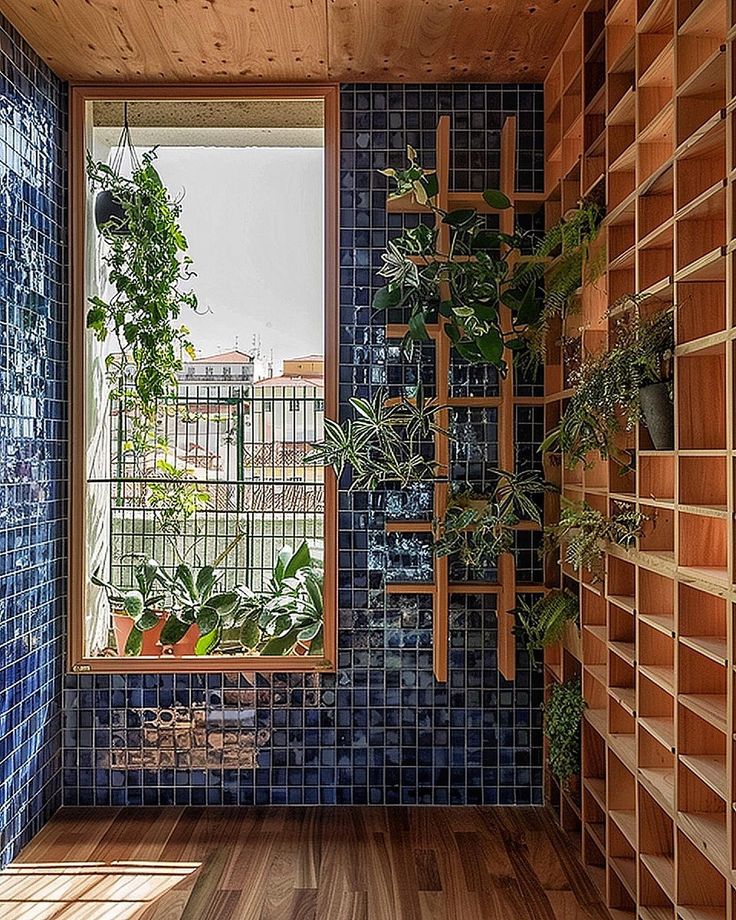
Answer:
[(441, 588), (640, 110)]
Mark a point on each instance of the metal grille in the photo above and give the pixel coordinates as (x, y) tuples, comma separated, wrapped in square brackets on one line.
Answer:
[(225, 469)]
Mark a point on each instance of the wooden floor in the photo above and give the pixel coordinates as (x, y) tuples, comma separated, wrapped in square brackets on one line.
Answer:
[(299, 864)]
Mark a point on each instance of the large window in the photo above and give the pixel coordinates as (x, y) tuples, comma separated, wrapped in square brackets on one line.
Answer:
[(203, 355)]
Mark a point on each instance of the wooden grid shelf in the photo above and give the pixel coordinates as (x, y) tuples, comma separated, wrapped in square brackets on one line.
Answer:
[(658, 649), (441, 588)]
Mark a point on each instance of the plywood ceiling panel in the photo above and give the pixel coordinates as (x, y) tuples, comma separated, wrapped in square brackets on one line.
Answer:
[(295, 40)]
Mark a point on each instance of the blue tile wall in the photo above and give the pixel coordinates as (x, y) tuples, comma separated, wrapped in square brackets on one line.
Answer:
[(33, 333), (380, 730)]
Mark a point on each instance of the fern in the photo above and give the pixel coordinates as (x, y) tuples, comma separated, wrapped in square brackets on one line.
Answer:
[(542, 623), (563, 715)]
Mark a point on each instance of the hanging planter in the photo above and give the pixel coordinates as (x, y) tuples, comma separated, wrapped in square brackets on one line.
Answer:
[(110, 214), (659, 414)]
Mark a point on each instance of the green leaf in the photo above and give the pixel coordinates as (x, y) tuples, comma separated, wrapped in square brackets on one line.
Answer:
[(185, 577), (250, 634), (206, 578), (484, 240), (531, 306), (281, 645), (300, 559), (207, 643), (496, 199), (460, 217), (133, 604), (147, 620), (490, 346), (207, 619), (173, 630), (387, 297), (135, 642), (417, 328), (431, 185)]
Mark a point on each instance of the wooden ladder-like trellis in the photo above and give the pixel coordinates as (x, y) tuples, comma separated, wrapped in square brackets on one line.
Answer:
[(441, 588)]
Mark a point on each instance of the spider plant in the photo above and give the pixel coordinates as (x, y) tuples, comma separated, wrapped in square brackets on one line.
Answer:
[(385, 442)]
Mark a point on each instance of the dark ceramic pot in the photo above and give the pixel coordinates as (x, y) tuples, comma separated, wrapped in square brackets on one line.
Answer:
[(659, 415), (108, 210)]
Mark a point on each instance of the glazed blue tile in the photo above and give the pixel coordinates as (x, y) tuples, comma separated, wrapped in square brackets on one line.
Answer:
[(380, 730), (33, 446)]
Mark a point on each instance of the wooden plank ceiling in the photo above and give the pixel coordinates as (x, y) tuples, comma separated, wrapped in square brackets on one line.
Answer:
[(295, 40)]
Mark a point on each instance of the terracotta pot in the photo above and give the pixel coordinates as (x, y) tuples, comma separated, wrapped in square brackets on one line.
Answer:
[(151, 645)]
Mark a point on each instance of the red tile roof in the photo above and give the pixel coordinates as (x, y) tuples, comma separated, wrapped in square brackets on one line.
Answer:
[(226, 357)]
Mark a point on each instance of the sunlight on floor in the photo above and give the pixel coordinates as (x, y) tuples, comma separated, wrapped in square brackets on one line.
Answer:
[(86, 891)]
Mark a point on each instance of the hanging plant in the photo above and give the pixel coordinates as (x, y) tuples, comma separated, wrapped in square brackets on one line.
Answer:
[(482, 272), (542, 623), (584, 532), (147, 268), (479, 528), (613, 389), (563, 716)]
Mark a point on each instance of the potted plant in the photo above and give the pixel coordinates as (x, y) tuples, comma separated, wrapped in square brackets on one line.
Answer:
[(147, 267), (479, 528), (563, 715), (469, 294), (137, 613), (201, 610), (543, 622), (585, 531), (613, 390)]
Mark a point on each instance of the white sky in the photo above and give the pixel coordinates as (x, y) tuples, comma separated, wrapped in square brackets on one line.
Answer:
[(253, 218)]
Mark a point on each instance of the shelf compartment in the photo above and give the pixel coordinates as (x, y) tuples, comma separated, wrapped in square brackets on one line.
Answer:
[(701, 887), (702, 229), (657, 477), (656, 204), (655, 657), (702, 817), (658, 533), (703, 482), (703, 545), (656, 258), (702, 687), (700, 98), (621, 683), (701, 423), (657, 711), (656, 601), (701, 309), (657, 842), (657, 769), (701, 168), (702, 623)]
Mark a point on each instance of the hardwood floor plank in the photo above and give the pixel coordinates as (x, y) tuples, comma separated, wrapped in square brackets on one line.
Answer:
[(279, 863)]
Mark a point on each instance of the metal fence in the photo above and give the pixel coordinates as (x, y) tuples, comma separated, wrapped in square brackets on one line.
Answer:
[(225, 468)]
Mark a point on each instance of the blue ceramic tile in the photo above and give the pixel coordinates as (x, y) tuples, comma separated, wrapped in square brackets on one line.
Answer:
[(33, 445), (380, 730)]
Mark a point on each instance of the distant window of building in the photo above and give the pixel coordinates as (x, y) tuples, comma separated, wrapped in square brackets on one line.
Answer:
[(295, 405), (226, 371), (319, 405)]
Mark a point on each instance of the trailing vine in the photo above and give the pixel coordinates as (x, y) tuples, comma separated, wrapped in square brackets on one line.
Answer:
[(147, 268)]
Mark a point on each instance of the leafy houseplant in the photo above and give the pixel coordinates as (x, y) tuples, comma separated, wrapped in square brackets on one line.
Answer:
[(137, 612), (585, 532), (542, 623), (146, 266), (480, 528), (467, 287), (200, 608), (613, 390), (290, 615), (563, 715), (382, 444)]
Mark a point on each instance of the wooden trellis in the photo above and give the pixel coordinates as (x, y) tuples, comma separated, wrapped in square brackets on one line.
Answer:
[(441, 587)]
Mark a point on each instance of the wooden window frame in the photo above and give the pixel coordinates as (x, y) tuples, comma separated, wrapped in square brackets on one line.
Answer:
[(79, 96)]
